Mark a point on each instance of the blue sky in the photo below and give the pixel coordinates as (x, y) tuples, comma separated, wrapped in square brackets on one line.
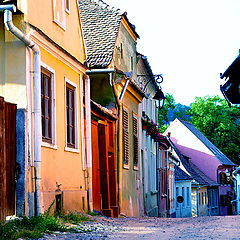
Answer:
[(190, 41)]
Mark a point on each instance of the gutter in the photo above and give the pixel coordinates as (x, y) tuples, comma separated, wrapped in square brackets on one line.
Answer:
[(8, 9)]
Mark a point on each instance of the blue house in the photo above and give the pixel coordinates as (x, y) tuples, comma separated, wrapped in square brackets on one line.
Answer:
[(204, 190), (183, 186)]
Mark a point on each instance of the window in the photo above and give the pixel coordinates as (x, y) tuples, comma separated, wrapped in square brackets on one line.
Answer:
[(202, 199), (135, 140), (177, 193), (199, 199), (125, 137), (67, 6), (131, 63), (59, 15), (47, 105), (71, 115), (205, 197), (183, 195), (188, 197)]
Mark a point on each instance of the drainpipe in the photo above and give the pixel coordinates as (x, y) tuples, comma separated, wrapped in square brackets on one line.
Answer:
[(8, 9), (157, 177)]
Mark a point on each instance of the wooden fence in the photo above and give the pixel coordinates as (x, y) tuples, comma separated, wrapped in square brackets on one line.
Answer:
[(7, 158)]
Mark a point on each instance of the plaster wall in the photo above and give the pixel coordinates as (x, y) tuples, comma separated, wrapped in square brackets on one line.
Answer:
[(62, 26), (131, 181), (122, 58), (192, 147), (13, 65), (61, 165)]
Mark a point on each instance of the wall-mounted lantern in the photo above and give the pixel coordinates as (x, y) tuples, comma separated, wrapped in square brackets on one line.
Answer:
[(159, 96)]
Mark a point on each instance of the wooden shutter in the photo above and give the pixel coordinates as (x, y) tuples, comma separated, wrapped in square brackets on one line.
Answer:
[(46, 99), (125, 137), (135, 140), (70, 112)]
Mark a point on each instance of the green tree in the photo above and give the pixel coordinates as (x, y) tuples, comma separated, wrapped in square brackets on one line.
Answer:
[(169, 104), (219, 123)]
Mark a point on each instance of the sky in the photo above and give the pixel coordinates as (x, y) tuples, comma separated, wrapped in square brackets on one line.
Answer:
[(190, 42)]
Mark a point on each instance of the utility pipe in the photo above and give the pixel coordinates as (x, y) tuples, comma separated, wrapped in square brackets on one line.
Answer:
[(8, 9), (124, 89)]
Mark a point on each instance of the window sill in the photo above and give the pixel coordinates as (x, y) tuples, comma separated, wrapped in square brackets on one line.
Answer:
[(125, 166), (136, 168), (154, 192), (49, 145), (74, 150)]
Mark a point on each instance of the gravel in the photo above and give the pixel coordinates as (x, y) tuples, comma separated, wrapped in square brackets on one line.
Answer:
[(215, 227)]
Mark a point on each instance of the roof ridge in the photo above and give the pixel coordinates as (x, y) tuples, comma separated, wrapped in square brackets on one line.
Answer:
[(104, 5)]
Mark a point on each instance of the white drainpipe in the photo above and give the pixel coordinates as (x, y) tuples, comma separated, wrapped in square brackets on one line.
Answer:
[(8, 9)]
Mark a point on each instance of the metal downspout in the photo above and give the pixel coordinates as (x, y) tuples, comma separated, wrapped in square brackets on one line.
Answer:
[(37, 94), (157, 177)]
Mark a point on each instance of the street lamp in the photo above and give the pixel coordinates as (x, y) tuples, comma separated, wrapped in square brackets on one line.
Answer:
[(159, 96)]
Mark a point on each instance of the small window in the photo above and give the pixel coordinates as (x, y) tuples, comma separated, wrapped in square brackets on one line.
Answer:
[(199, 198), (177, 194), (125, 137), (202, 199), (188, 197), (131, 63), (46, 105), (183, 195), (67, 6), (135, 140), (71, 115)]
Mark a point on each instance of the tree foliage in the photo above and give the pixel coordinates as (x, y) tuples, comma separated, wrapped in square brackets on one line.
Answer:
[(219, 123), (169, 104), (211, 116)]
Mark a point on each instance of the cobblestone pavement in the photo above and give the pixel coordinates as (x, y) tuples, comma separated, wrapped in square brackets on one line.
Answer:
[(221, 228)]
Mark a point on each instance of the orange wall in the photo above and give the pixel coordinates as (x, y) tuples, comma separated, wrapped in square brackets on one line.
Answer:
[(59, 165), (40, 13)]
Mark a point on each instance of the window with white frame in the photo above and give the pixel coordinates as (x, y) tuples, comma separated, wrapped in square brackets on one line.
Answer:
[(59, 15), (48, 112), (67, 6), (71, 115)]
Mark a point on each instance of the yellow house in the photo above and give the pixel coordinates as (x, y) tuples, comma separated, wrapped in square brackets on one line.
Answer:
[(42, 56)]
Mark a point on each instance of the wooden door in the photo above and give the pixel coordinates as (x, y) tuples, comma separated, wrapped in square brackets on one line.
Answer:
[(7, 158), (95, 168), (103, 160)]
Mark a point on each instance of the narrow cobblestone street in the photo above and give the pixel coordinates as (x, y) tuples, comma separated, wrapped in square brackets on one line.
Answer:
[(221, 228)]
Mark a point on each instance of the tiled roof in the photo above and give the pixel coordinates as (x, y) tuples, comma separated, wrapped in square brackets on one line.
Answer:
[(179, 174), (100, 25), (217, 153), (193, 170)]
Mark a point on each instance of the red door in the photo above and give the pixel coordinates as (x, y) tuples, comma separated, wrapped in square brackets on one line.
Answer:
[(95, 168)]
